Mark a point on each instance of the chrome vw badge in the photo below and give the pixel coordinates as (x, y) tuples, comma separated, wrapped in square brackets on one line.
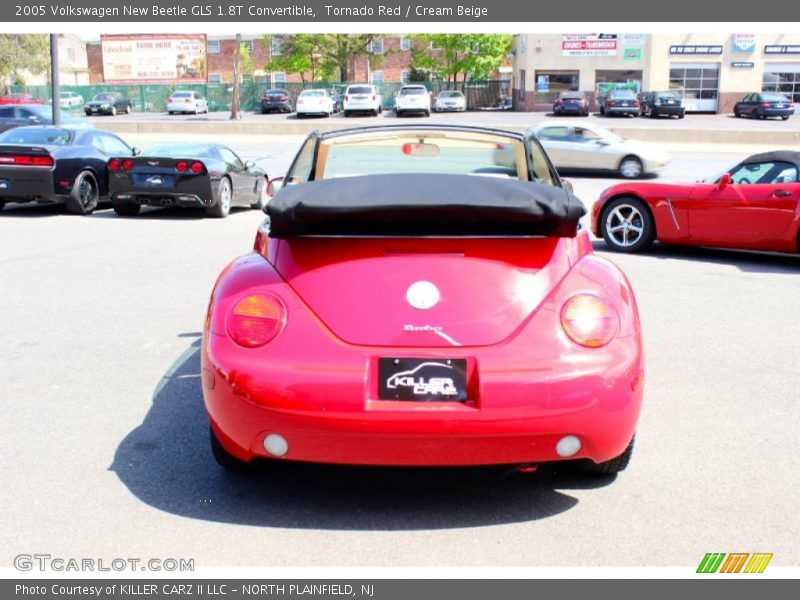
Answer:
[(423, 295)]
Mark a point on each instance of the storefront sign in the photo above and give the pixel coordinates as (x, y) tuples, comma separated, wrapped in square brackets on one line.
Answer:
[(633, 54), (794, 49), (590, 44), (632, 40), (744, 42), (742, 65), (695, 49)]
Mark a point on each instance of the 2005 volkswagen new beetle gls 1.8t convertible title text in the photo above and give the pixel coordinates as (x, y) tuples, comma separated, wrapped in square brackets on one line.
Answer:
[(422, 295)]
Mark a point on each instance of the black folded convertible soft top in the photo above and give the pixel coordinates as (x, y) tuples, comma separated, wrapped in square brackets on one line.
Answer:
[(423, 204)]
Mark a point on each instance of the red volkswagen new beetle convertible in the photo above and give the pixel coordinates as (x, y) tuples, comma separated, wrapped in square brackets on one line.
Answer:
[(422, 295)]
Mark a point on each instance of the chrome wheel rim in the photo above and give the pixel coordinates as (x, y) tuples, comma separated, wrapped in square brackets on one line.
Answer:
[(625, 225), (630, 167), (225, 196), (87, 195)]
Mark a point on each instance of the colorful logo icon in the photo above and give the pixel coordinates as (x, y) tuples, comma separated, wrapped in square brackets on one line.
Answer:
[(735, 562)]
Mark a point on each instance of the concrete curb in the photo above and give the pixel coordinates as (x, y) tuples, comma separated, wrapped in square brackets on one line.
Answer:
[(647, 134)]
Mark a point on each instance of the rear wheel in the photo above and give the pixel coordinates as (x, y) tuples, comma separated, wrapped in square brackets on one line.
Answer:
[(263, 197), (627, 225), (375, 112), (346, 114), (222, 207), (736, 113), (2, 204), (84, 196), (113, 111), (631, 167), (128, 109), (785, 117), (610, 467), (223, 457), (427, 113), (125, 209)]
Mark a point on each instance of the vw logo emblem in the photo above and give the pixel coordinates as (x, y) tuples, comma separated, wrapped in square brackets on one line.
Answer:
[(423, 295)]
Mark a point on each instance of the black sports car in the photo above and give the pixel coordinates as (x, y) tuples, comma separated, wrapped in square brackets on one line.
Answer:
[(185, 174), (108, 103), (277, 99), (59, 165)]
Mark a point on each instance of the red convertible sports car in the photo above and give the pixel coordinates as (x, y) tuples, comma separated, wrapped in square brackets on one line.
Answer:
[(410, 301), (753, 206)]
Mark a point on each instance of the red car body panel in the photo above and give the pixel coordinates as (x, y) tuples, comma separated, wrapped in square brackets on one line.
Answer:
[(751, 216), (528, 384), (20, 99)]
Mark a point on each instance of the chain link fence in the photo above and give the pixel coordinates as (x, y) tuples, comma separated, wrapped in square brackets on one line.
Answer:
[(481, 95)]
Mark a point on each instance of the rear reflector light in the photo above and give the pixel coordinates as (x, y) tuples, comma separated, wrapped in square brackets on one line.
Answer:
[(589, 320), (169, 101), (612, 103), (27, 160), (767, 105), (197, 167), (256, 320), (127, 165), (181, 166), (113, 165)]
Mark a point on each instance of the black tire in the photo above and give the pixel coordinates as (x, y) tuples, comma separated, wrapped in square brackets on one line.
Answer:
[(375, 112), (397, 113), (347, 113), (637, 214), (128, 109), (222, 206), (223, 457), (84, 196), (380, 109), (631, 167), (88, 113), (126, 209), (785, 117), (652, 114), (262, 197), (113, 111), (428, 113), (610, 467), (2, 204), (681, 115)]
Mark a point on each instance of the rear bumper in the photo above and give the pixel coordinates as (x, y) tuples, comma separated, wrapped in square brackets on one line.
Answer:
[(778, 112), (408, 109), (28, 185), (163, 200), (667, 110), (450, 108), (622, 110), (570, 110), (270, 106)]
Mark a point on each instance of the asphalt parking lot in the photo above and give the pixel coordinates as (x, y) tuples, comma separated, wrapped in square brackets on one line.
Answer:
[(105, 438)]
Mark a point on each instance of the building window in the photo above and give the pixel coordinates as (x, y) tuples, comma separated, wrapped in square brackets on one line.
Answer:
[(71, 55), (405, 43), (279, 78), (275, 47), (377, 46), (435, 47), (213, 46), (700, 82), (784, 79), (249, 45), (555, 82), (214, 78), (404, 75), (377, 77)]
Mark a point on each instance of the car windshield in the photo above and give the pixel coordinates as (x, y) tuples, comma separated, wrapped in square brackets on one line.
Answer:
[(668, 95), (359, 89), (428, 151), (415, 91), (182, 95), (774, 98), (40, 136), (46, 112), (178, 149), (104, 97), (451, 95)]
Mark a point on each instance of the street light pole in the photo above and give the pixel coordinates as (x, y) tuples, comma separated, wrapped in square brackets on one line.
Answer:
[(55, 93)]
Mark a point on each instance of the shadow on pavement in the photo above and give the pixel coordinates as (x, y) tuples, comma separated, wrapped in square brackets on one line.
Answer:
[(166, 462)]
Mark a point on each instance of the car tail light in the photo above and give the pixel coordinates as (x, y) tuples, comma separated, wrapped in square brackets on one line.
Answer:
[(612, 103), (767, 105), (169, 101), (589, 320), (284, 98), (791, 104), (113, 165), (374, 97), (127, 165), (657, 102), (188, 101), (197, 167), (181, 166), (635, 104), (256, 319), (346, 97), (27, 160), (559, 101)]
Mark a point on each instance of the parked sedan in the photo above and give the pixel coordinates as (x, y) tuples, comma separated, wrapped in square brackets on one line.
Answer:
[(571, 103), (404, 305), (582, 147), (753, 206), (70, 100), (57, 165), (169, 174), (764, 105), (412, 99), (187, 102), (21, 98), (314, 102), (450, 100), (656, 104), (20, 115), (620, 102), (108, 103), (277, 99)]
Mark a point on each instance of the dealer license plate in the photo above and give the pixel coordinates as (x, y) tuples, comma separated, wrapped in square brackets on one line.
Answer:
[(422, 379)]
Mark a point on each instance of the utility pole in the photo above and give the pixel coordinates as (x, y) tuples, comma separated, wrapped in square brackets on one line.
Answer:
[(236, 56), (55, 92)]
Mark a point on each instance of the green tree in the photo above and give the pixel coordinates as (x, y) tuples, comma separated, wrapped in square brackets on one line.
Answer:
[(22, 53), (472, 55), (321, 55), (246, 66)]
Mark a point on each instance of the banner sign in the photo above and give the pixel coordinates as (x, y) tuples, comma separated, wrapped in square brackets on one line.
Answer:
[(744, 42), (782, 49), (591, 44), (695, 49), (154, 58)]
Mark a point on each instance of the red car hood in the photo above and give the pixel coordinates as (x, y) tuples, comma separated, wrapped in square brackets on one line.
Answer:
[(359, 287)]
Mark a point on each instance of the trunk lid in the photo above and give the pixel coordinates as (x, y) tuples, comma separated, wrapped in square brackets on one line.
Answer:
[(363, 289)]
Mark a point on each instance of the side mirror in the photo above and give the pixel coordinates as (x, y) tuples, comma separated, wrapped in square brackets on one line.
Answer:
[(567, 185), (136, 151), (249, 164), (724, 181), (274, 186)]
